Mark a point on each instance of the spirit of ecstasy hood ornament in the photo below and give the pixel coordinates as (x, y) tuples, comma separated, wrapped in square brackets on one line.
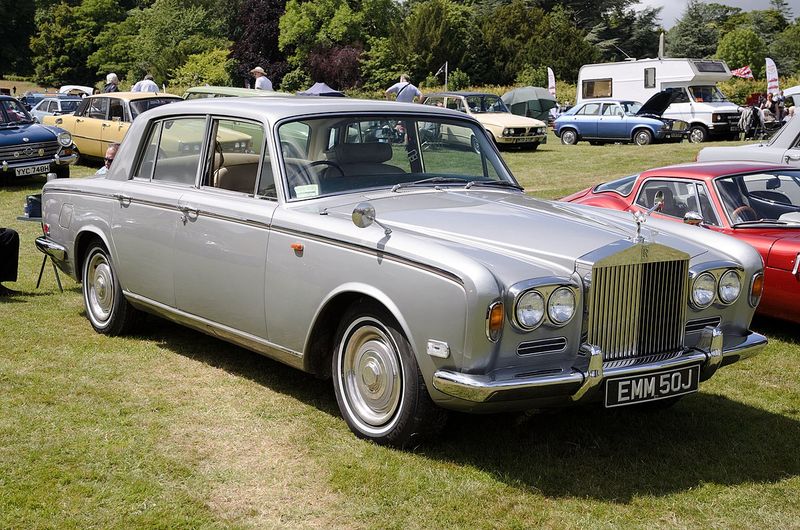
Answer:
[(641, 217)]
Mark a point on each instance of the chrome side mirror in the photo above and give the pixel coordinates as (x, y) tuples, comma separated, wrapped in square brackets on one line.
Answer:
[(364, 215), (693, 218)]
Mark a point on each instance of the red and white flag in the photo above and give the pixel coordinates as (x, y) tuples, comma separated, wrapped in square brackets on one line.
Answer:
[(743, 72)]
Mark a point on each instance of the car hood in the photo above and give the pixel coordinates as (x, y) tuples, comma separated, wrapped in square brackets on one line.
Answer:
[(656, 105), (756, 152), (34, 132), (506, 119), (548, 234)]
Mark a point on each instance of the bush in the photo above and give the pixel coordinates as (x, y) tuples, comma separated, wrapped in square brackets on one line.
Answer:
[(205, 68), (295, 81), (431, 82), (457, 80), (531, 76)]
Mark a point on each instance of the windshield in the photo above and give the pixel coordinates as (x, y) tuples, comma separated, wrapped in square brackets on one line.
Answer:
[(766, 197), (69, 105), (707, 94), (485, 103), (333, 155), (140, 105), (630, 107), (13, 112)]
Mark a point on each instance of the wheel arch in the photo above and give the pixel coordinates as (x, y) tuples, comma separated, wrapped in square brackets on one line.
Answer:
[(320, 341), (641, 127), (82, 242)]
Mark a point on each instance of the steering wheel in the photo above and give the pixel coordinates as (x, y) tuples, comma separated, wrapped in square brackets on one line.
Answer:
[(737, 214), (330, 163)]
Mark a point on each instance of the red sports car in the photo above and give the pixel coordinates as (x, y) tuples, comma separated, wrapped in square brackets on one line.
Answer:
[(756, 202)]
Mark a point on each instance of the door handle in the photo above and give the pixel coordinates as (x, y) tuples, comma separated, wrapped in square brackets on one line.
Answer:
[(188, 210), (106, 125), (124, 200), (791, 158), (78, 120)]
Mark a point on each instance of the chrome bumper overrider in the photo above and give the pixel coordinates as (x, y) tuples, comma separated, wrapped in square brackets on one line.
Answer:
[(51, 248), (576, 384)]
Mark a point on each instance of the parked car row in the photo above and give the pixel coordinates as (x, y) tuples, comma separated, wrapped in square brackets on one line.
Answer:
[(416, 275)]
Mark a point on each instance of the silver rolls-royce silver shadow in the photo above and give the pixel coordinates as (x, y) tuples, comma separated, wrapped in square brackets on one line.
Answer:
[(388, 247)]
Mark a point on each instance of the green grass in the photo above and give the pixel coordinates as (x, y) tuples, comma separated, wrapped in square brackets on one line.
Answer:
[(171, 428)]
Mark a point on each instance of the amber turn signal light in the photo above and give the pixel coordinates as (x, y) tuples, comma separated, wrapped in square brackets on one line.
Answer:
[(494, 321), (756, 288)]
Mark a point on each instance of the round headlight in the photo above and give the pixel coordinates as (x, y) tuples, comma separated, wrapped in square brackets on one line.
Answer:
[(530, 309), (703, 290), (561, 305), (729, 287), (65, 139)]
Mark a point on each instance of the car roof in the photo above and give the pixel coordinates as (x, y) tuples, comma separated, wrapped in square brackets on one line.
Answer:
[(698, 170), (233, 91), (274, 109), (607, 100), (134, 95)]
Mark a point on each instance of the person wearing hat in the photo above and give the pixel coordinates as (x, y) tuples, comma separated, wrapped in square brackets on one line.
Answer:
[(262, 81), (145, 85)]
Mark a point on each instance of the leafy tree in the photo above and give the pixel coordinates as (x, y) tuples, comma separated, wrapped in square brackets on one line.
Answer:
[(117, 48), (210, 67), (297, 79), (627, 33), (338, 66), (743, 47), (530, 76), (507, 32), (15, 32), (556, 32), (585, 14), (382, 63), (696, 34), (256, 43), (785, 50), (457, 80)]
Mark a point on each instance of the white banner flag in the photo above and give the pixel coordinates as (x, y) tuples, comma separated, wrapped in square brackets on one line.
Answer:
[(772, 77), (551, 81)]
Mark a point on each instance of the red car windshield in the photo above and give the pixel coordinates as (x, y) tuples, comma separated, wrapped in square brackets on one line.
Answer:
[(771, 196)]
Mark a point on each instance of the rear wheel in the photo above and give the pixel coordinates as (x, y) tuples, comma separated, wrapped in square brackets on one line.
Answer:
[(642, 137), (698, 134), (569, 137), (106, 307), (379, 388)]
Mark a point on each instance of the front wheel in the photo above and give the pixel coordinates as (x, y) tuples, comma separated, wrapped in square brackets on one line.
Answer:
[(106, 307), (378, 384), (569, 137), (642, 137), (698, 134)]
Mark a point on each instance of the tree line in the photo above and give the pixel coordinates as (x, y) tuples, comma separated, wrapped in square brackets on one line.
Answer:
[(367, 44)]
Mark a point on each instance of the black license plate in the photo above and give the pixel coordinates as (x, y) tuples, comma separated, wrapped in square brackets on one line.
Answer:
[(651, 387)]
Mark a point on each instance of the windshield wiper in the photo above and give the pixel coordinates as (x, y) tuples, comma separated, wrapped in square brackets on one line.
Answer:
[(494, 183), (762, 222), (427, 181)]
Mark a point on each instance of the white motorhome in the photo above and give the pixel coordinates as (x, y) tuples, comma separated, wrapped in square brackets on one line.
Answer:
[(696, 98)]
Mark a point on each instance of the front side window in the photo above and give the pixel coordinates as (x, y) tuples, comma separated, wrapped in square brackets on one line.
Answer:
[(98, 108), (69, 105), (678, 95), (348, 155), (597, 88), (706, 208), (612, 109), (631, 107), (679, 197), (707, 94)]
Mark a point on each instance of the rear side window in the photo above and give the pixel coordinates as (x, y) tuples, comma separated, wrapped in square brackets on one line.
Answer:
[(172, 151), (590, 109)]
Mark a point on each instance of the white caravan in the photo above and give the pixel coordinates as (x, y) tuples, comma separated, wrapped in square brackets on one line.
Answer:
[(696, 98)]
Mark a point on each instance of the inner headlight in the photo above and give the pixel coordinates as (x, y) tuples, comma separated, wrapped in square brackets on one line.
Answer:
[(506, 132), (530, 309), (561, 305), (703, 290), (729, 287), (64, 139)]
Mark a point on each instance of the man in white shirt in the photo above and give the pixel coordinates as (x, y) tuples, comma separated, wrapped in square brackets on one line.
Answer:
[(262, 81), (404, 90), (145, 85)]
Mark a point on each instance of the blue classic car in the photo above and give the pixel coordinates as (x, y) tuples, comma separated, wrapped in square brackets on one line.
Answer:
[(611, 120), (28, 148)]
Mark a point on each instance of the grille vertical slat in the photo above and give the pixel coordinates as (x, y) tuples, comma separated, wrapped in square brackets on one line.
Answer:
[(638, 309)]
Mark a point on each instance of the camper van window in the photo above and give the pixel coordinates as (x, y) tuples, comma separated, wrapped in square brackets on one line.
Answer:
[(707, 94), (649, 77), (597, 88), (710, 66)]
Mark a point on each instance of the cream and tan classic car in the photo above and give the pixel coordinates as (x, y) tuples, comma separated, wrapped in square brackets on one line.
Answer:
[(415, 274), (104, 119), (505, 128)]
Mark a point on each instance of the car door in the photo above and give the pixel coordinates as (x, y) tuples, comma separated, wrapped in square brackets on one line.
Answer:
[(113, 130), (221, 241), (586, 119), (147, 214), (87, 133), (612, 122)]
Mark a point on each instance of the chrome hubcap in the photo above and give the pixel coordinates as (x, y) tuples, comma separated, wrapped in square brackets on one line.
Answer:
[(569, 137), (371, 375), (697, 136), (100, 291)]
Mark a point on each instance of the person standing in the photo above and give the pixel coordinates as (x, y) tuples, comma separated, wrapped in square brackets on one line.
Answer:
[(111, 83), (404, 91), (262, 81), (9, 258), (145, 85)]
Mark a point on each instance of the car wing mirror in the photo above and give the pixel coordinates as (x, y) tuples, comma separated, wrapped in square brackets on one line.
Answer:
[(693, 218), (364, 215)]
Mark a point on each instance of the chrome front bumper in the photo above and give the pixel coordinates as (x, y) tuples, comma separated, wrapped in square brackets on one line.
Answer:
[(58, 160), (577, 384)]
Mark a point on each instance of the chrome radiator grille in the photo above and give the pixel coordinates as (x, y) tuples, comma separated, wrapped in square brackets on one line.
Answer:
[(28, 151), (638, 309)]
